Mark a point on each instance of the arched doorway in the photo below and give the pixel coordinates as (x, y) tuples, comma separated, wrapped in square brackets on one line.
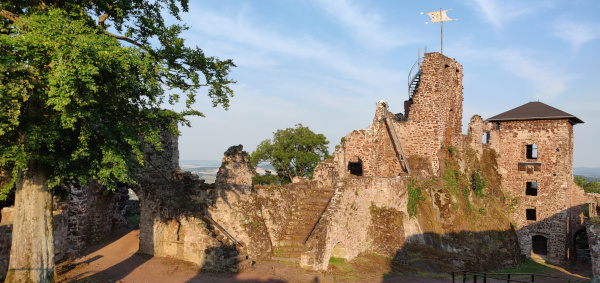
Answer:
[(539, 245), (581, 245)]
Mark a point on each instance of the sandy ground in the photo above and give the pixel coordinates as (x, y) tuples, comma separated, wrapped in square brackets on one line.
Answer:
[(116, 261)]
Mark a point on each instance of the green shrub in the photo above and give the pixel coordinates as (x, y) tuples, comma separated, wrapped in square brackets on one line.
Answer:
[(415, 195), (477, 183)]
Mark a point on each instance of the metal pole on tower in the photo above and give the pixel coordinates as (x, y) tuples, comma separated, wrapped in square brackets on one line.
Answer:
[(441, 33)]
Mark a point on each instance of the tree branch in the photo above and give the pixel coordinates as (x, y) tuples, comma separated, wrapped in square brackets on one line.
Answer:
[(9, 15), (124, 38), (102, 19)]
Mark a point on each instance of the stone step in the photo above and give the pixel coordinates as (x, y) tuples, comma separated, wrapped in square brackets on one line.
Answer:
[(287, 259), (314, 201), (296, 237), (310, 209), (292, 254)]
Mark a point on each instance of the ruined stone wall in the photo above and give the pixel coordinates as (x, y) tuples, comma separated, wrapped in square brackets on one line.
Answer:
[(183, 217), (435, 118), (5, 243), (349, 220), (92, 213), (434, 122), (593, 232)]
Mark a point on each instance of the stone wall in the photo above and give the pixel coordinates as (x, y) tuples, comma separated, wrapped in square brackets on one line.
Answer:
[(92, 213), (349, 220), (183, 217), (434, 122), (5, 242), (593, 232)]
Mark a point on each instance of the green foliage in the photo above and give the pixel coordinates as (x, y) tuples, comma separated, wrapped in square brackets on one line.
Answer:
[(415, 196), (267, 179), (342, 143), (293, 152), (477, 183), (451, 150), (588, 187), (451, 178), (75, 100)]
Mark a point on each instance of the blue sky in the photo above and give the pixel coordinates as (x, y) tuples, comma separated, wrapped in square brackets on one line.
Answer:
[(325, 63)]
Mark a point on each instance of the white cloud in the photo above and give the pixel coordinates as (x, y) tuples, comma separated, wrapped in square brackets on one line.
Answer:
[(548, 80), (498, 13), (367, 26), (575, 32)]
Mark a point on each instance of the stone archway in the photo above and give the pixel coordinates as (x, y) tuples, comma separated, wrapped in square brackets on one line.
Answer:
[(581, 245), (339, 251)]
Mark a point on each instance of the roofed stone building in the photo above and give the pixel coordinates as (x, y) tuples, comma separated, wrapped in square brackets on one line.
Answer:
[(535, 146)]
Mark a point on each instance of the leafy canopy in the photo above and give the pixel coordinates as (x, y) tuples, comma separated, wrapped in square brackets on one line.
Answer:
[(77, 100), (293, 152), (588, 186)]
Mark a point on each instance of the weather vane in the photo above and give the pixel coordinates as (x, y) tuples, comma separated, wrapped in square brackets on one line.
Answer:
[(440, 17)]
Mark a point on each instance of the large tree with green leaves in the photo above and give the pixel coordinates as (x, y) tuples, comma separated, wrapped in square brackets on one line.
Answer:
[(79, 100), (293, 152)]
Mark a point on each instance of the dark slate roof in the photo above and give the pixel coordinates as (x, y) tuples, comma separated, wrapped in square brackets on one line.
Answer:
[(534, 111)]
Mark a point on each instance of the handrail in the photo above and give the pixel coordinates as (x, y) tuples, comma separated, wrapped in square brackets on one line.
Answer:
[(222, 230), (318, 219), (204, 215), (485, 276), (411, 78), (389, 120)]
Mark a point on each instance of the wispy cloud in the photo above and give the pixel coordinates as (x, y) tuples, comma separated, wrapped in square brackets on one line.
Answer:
[(577, 33), (252, 42), (498, 13), (548, 80), (367, 26)]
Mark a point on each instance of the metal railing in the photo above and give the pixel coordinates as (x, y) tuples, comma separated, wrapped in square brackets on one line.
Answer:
[(471, 276), (416, 68)]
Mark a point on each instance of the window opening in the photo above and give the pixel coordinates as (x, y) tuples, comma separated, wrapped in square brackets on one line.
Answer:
[(355, 168), (532, 151), (530, 213), (497, 126), (532, 189), (485, 138)]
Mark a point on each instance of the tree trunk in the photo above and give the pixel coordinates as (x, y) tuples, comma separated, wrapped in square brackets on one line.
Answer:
[(32, 250)]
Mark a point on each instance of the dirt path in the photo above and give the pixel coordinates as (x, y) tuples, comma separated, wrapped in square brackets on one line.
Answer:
[(117, 261)]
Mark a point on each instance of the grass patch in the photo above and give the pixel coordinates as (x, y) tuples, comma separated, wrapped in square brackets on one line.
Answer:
[(528, 266), (340, 264)]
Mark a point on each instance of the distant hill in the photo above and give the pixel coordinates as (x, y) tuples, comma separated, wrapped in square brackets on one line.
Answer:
[(207, 169), (587, 172)]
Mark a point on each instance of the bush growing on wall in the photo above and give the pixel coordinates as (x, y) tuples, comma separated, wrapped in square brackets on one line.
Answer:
[(415, 195)]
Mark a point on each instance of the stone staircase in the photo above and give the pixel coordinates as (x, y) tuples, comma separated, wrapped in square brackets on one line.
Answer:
[(302, 221), (229, 256)]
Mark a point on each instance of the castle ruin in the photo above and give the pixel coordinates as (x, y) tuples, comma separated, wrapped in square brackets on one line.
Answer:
[(362, 199)]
